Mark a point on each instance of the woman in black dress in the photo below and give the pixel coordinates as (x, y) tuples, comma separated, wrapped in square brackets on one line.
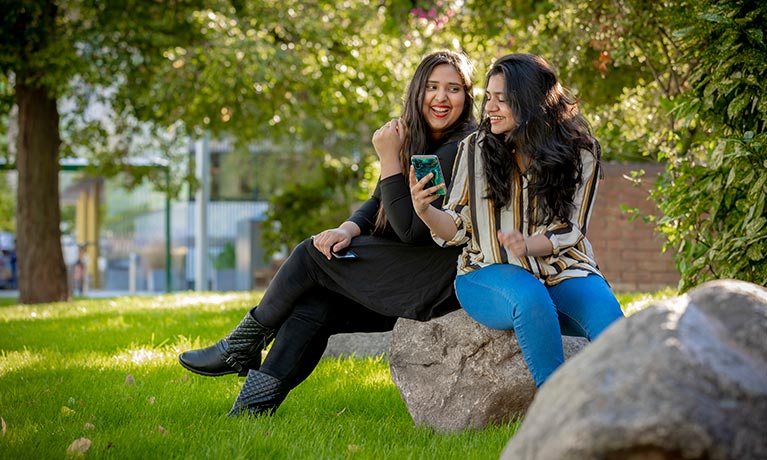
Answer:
[(399, 271)]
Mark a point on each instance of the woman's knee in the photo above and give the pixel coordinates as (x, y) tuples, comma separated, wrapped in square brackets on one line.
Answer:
[(299, 258), (587, 302)]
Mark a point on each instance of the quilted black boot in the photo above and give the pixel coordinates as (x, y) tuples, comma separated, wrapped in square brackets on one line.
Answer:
[(238, 352), (261, 394)]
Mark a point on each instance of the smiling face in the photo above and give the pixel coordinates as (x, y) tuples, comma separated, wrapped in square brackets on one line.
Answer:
[(443, 99), (497, 107)]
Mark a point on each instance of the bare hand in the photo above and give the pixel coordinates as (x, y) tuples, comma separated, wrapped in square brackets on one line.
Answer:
[(514, 242), (422, 198), (331, 240), (388, 140)]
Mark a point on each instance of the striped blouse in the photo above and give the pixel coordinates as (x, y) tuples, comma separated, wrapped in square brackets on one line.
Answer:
[(478, 221)]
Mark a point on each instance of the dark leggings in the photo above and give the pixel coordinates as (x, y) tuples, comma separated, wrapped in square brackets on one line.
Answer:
[(303, 336)]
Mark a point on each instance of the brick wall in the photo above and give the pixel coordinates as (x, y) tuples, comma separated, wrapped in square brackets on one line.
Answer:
[(629, 253)]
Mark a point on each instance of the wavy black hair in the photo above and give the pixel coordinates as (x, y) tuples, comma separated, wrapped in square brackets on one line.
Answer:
[(549, 136), (418, 138)]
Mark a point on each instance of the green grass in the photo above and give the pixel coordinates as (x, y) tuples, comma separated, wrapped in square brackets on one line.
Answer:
[(8, 301), (106, 370), (632, 302)]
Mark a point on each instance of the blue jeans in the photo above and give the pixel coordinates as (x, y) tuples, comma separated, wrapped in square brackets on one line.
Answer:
[(504, 296)]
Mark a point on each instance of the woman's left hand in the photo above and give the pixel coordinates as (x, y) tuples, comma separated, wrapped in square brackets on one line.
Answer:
[(514, 242)]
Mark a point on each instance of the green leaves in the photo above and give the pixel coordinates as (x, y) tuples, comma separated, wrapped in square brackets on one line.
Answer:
[(682, 82), (715, 216)]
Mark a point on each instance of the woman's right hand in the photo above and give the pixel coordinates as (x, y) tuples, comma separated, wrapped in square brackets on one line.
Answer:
[(331, 240), (387, 142)]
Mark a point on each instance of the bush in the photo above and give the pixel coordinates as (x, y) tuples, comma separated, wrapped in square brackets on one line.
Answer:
[(226, 258), (713, 199)]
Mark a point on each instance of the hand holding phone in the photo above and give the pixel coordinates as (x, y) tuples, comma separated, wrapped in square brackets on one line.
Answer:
[(425, 164)]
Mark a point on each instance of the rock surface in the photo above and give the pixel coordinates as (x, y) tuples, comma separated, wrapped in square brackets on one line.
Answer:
[(453, 373), (359, 344), (684, 379)]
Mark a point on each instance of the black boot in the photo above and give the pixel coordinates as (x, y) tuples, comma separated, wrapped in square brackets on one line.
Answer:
[(238, 352), (261, 394)]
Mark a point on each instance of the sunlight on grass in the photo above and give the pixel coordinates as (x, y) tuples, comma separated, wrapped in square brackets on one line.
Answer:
[(205, 302), (195, 299), (636, 302), (146, 357), (13, 361)]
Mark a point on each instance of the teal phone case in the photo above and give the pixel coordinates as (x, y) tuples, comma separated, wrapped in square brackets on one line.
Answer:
[(425, 164)]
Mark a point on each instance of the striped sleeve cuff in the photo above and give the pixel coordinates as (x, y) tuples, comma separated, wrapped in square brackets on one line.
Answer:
[(461, 235)]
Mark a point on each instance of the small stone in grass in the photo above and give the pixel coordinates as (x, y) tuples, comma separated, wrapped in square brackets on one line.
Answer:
[(79, 447)]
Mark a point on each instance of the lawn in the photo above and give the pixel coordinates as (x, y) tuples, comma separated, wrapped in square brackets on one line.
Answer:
[(106, 370), (103, 374)]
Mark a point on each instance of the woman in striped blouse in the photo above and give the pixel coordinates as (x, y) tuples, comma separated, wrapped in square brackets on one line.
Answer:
[(522, 193)]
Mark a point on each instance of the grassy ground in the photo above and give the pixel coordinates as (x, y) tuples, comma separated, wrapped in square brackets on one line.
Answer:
[(105, 371)]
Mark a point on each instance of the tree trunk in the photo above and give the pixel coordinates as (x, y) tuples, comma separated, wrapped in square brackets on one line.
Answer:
[(42, 273)]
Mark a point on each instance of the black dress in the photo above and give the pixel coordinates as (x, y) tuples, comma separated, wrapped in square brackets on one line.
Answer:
[(402, 272), (399, 273)]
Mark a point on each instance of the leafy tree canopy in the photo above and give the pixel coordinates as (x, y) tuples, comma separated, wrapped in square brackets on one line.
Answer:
[(713, 198), (678, 81)]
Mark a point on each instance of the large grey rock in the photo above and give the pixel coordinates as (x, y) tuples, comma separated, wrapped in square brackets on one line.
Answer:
[(683, 379), (453, 373)]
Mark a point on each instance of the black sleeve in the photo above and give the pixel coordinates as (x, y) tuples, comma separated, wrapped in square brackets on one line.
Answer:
[(365, 215), (396, 200)]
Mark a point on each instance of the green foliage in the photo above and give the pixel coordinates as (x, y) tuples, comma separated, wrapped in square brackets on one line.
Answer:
[(226, 258), (623, 71), (681, 82), (117, 382), (696, 103), (97, 60), (67, 222), (7, 205), (713, 199), (317, 200), (323, 77), (713, 214), (624, 62)]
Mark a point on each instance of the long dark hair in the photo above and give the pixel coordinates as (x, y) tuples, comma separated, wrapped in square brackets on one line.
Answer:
[(418, 134), (550, 134)]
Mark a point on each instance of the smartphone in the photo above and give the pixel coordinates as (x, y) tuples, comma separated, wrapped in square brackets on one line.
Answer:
[(425, 164), (345, 254)]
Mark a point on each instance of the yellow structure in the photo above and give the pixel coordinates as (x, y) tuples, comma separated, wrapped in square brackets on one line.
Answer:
[(87, 226)]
